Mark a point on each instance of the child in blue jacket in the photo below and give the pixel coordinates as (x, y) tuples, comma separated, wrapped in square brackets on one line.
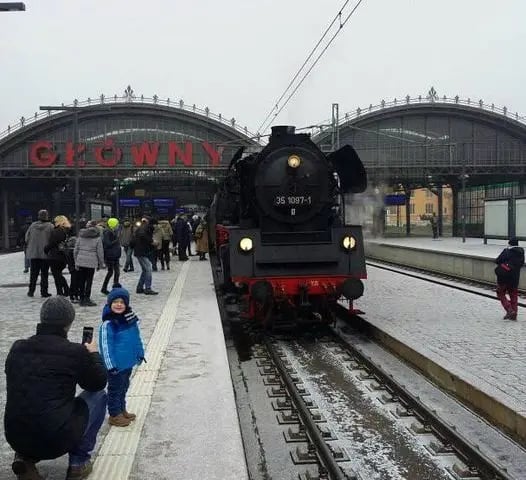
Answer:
[(121, 348)]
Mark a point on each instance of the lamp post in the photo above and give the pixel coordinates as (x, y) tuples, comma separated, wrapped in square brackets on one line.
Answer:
[(75, 109), (12, 7)]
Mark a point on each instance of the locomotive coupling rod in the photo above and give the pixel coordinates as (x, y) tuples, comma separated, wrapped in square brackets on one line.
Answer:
[(324, 452)]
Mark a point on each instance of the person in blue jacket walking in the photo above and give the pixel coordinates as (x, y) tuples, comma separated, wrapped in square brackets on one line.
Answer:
[(121, 348)]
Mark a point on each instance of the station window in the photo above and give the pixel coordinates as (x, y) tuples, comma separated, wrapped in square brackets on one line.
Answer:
[(445, 210), (429, 208), (412, 208)]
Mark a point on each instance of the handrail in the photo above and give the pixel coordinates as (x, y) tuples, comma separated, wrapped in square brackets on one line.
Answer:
[(430, 99), (130, 98)]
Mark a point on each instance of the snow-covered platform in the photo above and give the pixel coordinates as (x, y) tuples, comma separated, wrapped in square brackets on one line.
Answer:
[(457, 339), (187, 424), (472, 260)]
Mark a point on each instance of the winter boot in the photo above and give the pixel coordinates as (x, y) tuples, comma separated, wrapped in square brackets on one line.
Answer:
[(129, 416), (25, 469), (87, 302), (149, 291), (119, 421), (79, 472), (167, 265)]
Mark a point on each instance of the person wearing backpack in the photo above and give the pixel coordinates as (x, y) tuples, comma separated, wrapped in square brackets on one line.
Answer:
[(508, 271)]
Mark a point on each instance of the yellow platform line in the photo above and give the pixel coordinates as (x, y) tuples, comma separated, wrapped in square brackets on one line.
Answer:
[(117, 452)]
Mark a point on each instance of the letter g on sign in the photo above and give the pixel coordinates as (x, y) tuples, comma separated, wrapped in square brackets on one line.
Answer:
[(42, 155)]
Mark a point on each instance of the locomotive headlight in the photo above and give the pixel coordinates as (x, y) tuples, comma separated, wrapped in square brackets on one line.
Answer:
[(246, 244), (294, 161), (348, 242)]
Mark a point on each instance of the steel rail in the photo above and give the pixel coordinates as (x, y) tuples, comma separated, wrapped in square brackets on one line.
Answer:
[(439, 282), (469, 453), (324, 453)]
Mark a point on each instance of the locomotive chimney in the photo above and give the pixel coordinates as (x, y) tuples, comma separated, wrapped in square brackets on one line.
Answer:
[(282, 130)]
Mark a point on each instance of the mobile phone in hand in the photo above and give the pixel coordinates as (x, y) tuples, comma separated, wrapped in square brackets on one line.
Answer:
[(87, 335)]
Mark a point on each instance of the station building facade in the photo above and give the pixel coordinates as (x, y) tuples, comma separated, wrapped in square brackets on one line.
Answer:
[(127, 155), (469, 149)]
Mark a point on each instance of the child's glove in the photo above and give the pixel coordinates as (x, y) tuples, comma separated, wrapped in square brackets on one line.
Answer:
[(130, 316), (113, 371)]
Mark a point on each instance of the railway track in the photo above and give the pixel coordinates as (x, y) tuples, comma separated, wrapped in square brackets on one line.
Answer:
[(457, 455), (482, 289), (458, 443)]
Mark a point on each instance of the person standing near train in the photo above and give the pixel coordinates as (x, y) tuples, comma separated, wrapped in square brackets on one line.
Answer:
[(508, 271)]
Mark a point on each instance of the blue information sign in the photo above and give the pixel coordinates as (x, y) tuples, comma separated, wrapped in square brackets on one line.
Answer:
[(395, 199)]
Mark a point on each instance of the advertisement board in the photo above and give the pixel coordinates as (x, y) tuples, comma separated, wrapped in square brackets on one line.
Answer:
[(496, 218)]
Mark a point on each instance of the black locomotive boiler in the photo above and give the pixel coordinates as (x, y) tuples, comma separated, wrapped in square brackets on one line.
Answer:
[(280, 234)]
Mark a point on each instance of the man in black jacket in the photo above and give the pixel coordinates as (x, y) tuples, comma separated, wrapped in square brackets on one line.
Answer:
[(509, 264), (142, 244), (43, 418), (112, 253)]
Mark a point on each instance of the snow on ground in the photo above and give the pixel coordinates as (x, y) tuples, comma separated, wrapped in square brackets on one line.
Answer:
[(460, 331), (472, 246)]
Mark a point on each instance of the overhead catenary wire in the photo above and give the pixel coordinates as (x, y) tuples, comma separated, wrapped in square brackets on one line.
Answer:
[(276, 103), (271, 115)]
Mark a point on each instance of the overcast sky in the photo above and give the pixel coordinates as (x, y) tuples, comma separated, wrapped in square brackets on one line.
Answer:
[(237, 56)]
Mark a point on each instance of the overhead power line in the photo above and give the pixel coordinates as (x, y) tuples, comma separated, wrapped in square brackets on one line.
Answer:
[(277, 108), (276, 103)]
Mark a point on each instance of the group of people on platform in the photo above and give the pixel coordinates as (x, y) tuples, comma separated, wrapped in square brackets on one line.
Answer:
[(44, 418), (99, 244)]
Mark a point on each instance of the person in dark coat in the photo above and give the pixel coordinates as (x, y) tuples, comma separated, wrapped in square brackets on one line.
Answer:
[(112, 253), (43, 418), (434, 225), (56, 253), (182, 234), (142, 244), (508, 271), (37, 237), (74, 290)]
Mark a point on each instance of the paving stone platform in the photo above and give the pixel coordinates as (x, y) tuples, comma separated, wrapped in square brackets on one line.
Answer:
[(463, 333), (192, 373)]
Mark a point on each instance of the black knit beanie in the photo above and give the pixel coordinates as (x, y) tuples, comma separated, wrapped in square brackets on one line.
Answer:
[(57, 311)]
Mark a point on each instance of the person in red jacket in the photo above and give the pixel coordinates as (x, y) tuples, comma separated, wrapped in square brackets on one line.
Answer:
[(508, 271), (43, 418)]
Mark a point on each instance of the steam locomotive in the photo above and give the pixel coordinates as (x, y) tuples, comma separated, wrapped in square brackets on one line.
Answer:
[(280, 236)]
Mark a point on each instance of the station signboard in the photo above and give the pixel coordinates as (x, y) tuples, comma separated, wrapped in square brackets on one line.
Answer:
[(395, 199)]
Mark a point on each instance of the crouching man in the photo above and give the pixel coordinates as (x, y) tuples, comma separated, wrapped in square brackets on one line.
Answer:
[(43, 418)]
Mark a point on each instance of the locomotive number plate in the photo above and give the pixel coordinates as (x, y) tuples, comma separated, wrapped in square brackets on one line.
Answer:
[(287, 201)]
